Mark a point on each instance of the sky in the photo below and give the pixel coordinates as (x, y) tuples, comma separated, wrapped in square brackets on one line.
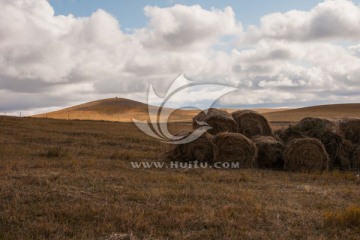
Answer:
[(130, 14), (58, 53)]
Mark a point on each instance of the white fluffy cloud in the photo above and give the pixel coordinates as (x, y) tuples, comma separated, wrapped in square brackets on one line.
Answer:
[(331, 19), (187, 27), (292, 58)]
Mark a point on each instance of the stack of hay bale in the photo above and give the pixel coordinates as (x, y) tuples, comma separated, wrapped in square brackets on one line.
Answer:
[(245, 137), (350, 128), (336, 138)]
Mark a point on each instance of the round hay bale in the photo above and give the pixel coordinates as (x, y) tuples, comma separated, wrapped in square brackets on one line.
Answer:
[(251, 123), (201, 149), (279, 131), (243, 111), (309, 127), (198, 120), (327, 132), (305, 154), (350, 127), (218, 120), (312, 126), (355, 160), (235, 147), (335, 147), (270, 152), (344, 155), (290, 133)]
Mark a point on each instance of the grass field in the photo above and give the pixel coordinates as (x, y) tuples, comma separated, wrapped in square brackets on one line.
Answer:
[(64, 179)]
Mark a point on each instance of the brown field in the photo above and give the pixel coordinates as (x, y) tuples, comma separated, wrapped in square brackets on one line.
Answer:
[(72, 179)]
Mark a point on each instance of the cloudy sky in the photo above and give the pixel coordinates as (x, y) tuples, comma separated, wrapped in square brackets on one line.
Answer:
[(58, 53)]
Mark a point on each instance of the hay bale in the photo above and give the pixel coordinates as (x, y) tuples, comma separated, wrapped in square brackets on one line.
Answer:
[(305, 154), (235, 147), (309, 127), (201, 149), (218, 120), (270, 152), (344, 155), (290, 133), (251, 123), (355, 160), (279, 131), (350, 127), (313, 126), (327, 132), (338, 149), (198, 120)]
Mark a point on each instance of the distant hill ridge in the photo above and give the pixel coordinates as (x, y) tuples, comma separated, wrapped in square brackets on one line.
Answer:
[(333, 111), (122, 109), (113, 109)]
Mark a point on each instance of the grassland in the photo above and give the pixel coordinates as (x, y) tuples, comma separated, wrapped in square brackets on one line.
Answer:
[(123, 110), (116, 109), (332, 111), (64, 179)]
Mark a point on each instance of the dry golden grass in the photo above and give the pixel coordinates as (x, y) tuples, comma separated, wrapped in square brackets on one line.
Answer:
[(123, 110), (115, 109), (334, 111), (349, 217), (73, 180)]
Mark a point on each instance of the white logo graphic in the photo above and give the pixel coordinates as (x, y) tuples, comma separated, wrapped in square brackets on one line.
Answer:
[(159, 108)]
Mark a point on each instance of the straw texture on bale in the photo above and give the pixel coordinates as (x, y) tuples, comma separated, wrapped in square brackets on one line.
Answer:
[(270, 152), (305, 154), (355, 160), (336, 148), (308, 127), (327, 132), (201, 149), (344, 155), (278, 132), (235, 147), (350, 127), (251, 123), (288, 134), (313, 125), (218, 120), (199, 119)]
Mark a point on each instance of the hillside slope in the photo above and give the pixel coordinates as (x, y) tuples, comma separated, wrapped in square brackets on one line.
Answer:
[(333, 111), (114, 109), (121, 109)]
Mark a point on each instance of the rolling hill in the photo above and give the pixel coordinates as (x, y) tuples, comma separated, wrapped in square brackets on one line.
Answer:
[(114, 109), (121, 109), (333, 111)]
